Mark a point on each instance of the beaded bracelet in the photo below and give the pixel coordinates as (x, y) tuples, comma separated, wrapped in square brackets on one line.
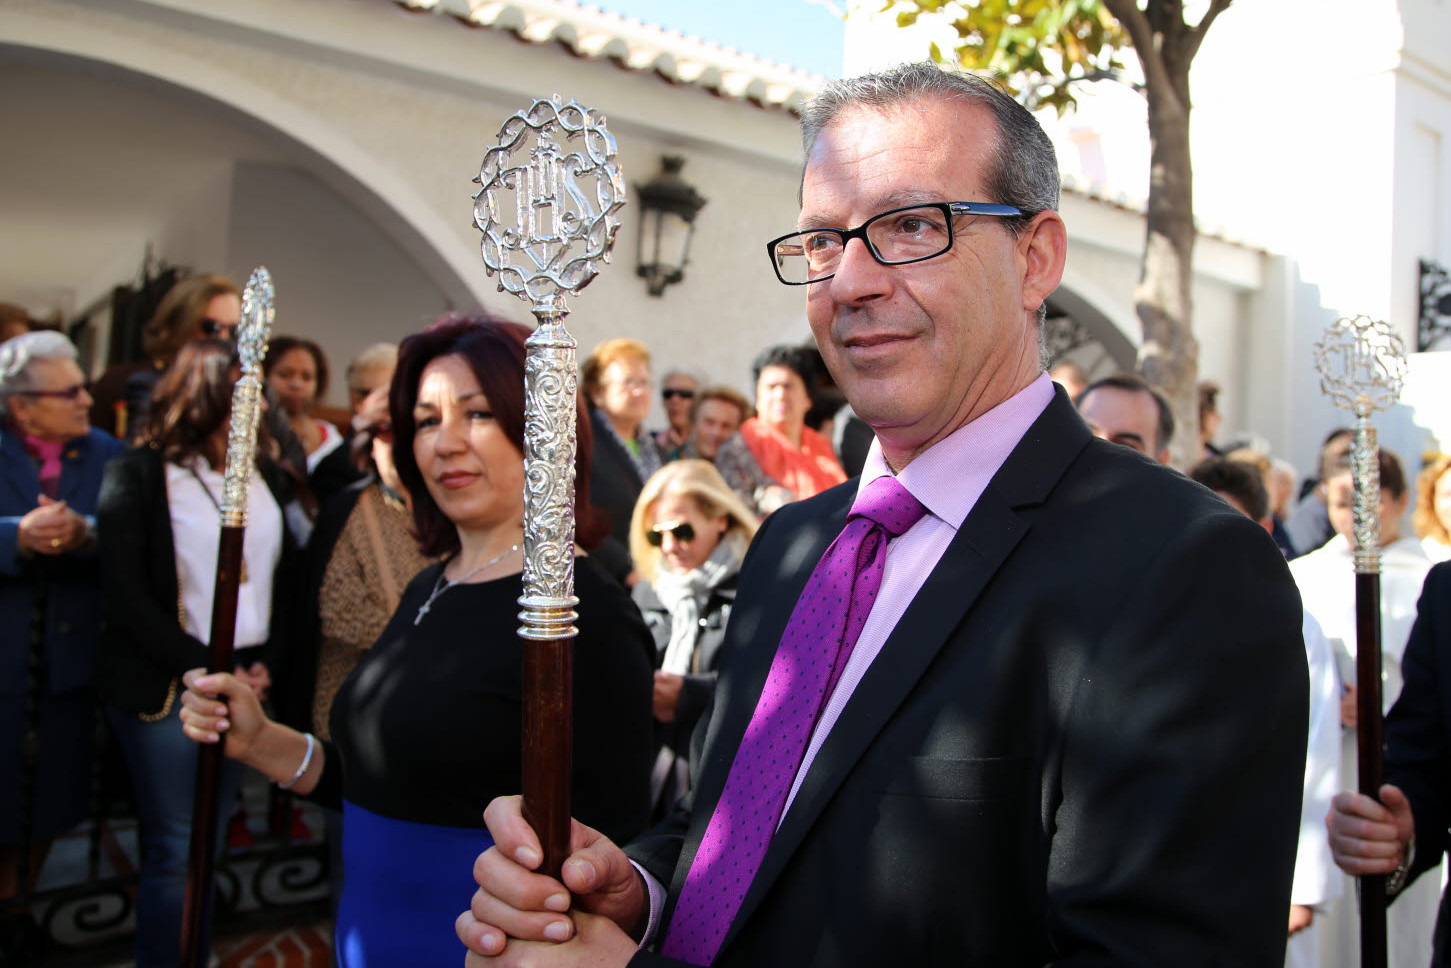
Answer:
[(306, 762)]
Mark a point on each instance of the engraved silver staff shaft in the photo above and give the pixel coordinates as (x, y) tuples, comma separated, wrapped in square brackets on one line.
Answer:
[(548, 219), (549, 214), (1362, 368), (252, 336)]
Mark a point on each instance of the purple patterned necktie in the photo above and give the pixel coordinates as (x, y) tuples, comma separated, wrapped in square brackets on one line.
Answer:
[(814, 648)]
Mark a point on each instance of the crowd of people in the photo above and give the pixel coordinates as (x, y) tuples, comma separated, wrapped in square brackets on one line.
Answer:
[(346, 644), (1098, 682)]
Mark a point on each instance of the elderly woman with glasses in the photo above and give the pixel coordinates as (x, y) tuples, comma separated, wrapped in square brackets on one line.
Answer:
[(426, 730), (51, 462), (688, 536)]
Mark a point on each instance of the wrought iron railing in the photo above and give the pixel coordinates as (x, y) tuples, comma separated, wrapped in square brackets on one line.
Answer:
[(81, 914)]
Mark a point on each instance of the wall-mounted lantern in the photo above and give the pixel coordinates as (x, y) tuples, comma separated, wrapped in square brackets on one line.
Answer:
[(668, 207)]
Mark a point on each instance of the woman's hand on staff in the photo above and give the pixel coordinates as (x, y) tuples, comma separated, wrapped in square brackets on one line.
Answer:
[(205, 716), (513, 902), (274, 750)]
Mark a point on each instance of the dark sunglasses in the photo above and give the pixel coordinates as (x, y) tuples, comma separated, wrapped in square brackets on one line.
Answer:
[(669, 392), (69, 393), (684, 532), (210, 327)]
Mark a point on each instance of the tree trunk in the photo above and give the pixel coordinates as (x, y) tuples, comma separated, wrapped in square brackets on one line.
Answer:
[(1169, 356)]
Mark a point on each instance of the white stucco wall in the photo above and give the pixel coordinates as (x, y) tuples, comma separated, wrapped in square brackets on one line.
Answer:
[(392, 112)]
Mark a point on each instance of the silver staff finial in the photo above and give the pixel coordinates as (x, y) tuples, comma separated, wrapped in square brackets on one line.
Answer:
[(1362, 366), (548, 204), (549, 217), (252, 336)]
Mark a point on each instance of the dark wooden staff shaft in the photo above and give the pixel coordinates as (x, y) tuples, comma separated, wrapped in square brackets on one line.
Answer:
[(548, 690), (1370, 755), (201, 865)]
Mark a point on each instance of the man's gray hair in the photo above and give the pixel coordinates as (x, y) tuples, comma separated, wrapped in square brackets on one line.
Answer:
[(18, 353), (1024, 171)]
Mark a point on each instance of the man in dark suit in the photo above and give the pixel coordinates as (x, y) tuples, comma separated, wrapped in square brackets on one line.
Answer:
[(1405, 834), (1071, 729)]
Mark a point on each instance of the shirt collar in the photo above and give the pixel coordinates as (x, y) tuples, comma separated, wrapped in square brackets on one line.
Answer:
[(951, 475)]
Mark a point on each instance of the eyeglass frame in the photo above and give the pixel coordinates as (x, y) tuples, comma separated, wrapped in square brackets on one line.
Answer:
[(949, 210), (69, 393), (681, 531), (667, 392)]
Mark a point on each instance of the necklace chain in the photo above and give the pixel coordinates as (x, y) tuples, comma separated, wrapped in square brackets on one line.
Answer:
[(443, 584), (242, 576)]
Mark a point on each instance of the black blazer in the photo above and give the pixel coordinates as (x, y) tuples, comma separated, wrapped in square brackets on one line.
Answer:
[(614, 487), (143, 647), (1418, 736), (1083, 743)]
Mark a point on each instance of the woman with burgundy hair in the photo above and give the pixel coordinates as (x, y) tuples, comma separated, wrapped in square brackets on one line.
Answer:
[(426, 730)]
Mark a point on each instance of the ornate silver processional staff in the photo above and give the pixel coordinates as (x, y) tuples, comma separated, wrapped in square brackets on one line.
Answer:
[(1362, 365), (547, 204), (252, 336)]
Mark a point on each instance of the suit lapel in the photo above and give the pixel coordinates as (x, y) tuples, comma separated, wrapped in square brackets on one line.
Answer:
[(986, 539)]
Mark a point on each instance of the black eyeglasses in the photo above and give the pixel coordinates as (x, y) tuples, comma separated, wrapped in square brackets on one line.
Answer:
[(69, 393), (218, 329), (895, 238), (681, 531), (669, 392)]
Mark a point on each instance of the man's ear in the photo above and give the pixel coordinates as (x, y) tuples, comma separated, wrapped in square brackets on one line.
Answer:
[(1043, 249), (1162, 456)]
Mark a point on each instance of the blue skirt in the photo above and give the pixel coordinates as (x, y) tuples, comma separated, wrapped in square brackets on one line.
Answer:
[(404, 886)]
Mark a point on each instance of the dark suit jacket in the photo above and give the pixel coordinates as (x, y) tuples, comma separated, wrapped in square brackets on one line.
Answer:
[(144, 647), (1418, 735), (1083, 743), (73, 612), (614, 487)]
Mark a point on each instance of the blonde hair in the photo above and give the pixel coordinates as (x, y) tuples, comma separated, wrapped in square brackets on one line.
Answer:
[(701, 482), (1427, 524), (610, 351)]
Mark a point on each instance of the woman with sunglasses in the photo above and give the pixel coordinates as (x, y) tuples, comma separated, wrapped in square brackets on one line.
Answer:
[(677, 392), (203, 306), (426, 730), (51, 461), (688, 536), (160, 510)]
